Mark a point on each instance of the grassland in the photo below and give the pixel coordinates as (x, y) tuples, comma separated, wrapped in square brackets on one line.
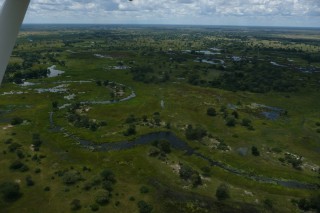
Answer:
[(175, 91)]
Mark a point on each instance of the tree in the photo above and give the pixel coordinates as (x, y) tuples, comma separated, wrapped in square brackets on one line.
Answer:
[(75, 205), (211, 111), (102, 197), (144, 207), (231, 122), (107, 175), (164, 146), (195, 133), (16, 121), (10, 191), (131, 130), (222, 192), (55, 104), (255, 151), (185, 172)]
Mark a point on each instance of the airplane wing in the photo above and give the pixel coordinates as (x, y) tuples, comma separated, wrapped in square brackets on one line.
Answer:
[(11, 17)]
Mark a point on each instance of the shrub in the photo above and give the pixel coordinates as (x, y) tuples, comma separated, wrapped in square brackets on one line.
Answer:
[(195, 133), (231, 122), (154, 152), (94, 207), (268, 203), (144, 190), (108, 175), (71, 177), (144, 207), (13, 147), (185, 172), (255, 151), (164, 146), (211, 111), (196, 179), (102, 197), (222, 192), (29, 181), (246, 122), (16, 121), (15, 165), (75, 205), (131, 130), (10, 191)]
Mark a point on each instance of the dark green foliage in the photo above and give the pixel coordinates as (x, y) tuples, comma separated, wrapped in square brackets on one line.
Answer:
[(20, 154), (259, 80), (8, 141), (154, 152), (16, 121), (99, 83), (29, 181), (196, 179), (10, 191), (13, 147), (268, 203), (144, 207), (144, 190), (206, 171), (102, 197), (18, 165), (231, 122), (295, 161), (47, 189), (187, 173), (246, 122), (55, 104), (107, 175), (222, 192), (304, 204), (255, 151), (143, 74), (211, 111), (131, 119), (94, 207), (223, 146), (36, 141), (130, 131), (195, 133), (164, 146), (75, 205), (235, 114), (71, 177), (131, 198), (313, 203)]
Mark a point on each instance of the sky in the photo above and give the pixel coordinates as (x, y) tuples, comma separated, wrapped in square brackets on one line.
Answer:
[(293, 13)]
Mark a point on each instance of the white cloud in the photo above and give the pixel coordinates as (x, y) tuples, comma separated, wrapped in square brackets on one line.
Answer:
[(287, 12)]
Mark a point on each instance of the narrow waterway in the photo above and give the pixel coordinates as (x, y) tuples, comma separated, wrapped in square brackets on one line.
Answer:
[(179, 144)]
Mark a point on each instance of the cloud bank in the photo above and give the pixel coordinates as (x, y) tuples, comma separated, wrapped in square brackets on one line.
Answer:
[(206, 12)]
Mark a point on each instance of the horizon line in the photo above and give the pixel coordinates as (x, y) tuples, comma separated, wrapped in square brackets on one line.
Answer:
[(193, 25)]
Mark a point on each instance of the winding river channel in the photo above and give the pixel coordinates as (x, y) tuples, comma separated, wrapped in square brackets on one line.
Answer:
[(179, 144)]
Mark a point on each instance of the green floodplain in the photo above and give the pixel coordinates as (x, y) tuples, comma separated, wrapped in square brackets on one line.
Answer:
[(161, 119)]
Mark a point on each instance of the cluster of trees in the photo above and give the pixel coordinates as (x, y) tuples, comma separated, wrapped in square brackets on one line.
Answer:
[(187, 173), (102, 186), (82, 121), (160, 149), (295, 161), (29, 74), (309, 204), (146, 74), (195, 133), (261, 81)]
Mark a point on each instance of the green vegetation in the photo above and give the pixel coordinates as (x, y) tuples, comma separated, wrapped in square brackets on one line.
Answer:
[(245, 104)]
